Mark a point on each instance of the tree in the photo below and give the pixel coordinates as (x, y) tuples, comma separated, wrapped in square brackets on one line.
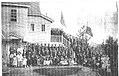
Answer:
[(111, 49), (79, 46)]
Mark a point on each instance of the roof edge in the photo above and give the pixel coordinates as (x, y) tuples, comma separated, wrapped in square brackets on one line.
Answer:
[(44, 17), (15, 5)]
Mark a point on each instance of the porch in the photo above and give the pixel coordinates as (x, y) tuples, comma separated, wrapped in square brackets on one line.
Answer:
[(60, 39)]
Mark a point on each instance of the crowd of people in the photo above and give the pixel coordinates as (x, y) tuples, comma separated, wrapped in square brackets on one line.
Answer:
[(40, 55), (95, 61), (35, 54)]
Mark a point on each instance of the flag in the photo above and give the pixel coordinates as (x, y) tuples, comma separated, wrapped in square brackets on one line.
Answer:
[(89, 31), (62, 20)]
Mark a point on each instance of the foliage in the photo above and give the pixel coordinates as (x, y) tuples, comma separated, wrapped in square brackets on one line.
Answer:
[(111, 49), (80, 47)]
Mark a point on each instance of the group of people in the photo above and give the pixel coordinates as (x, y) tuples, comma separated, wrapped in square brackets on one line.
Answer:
[(16, 57), (95, 61), (35, 54)]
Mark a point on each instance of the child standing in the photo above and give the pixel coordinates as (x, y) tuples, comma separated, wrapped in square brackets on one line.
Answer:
[(24, 61)]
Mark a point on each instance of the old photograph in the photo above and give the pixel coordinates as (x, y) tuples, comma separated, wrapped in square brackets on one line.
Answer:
[(59, 38)]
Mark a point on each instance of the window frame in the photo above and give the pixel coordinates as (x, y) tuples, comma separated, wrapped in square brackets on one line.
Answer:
[(43, 27), (13, 15), (32, 27)]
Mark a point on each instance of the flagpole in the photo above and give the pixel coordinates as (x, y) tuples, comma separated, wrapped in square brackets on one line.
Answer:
[(87, 23), (117, 6)]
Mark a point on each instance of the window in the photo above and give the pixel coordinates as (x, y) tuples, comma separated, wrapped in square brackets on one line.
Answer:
[(32, 27), (13, 15), (43, 27)]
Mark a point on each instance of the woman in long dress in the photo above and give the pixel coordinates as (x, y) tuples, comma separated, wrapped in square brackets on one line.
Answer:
[(20, 58)]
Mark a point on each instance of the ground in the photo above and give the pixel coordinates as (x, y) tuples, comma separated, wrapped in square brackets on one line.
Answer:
[(52, 71)]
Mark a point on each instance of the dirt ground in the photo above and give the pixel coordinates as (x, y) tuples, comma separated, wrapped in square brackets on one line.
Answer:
[(51, 71)]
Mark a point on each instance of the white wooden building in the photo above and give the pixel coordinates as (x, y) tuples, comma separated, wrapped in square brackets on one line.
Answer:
[(23, 22)]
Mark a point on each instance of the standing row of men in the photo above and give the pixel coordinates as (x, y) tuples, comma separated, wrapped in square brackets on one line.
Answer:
[(30, 54)]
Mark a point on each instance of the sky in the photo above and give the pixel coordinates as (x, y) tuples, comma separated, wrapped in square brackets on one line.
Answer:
[(77, 13)]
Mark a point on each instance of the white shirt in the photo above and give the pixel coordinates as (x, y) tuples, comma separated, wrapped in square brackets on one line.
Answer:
[(20, 50), (24, 61), (19, 57)]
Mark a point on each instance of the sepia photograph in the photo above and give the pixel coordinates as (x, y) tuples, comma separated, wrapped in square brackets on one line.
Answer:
[(59, 38)]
